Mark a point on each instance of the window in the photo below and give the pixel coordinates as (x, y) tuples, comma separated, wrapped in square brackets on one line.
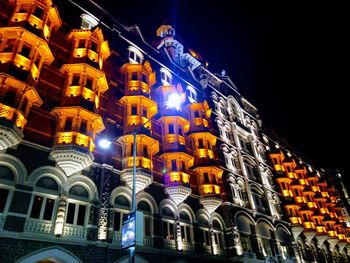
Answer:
[(144, 78), (200, 144), (191, 94), (77, 205), (81, 43), (135, 56), (9, 45), (89, 82), (10, 96), (83, 126), (93, 46), (134, 76), (75, 80), (4, 193), (165, 76), (144, 112), (173, 165), (68, 124), (196, 114), (180, 131), (168, 230), (39, 12), (206, 178), (245, 243), (145, 151), (133, 109), (209, 145), (25, 50), (171, 128)]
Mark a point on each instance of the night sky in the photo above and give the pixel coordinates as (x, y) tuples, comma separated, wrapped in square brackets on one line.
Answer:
[(288, 59)]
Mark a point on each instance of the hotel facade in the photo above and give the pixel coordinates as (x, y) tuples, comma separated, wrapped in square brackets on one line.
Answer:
[(212, 186)]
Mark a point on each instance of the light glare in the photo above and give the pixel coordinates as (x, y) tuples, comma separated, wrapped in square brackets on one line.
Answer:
[(174, 101), (104, 143)]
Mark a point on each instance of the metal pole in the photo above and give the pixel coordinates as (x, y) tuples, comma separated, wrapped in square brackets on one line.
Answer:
[(133, 200)]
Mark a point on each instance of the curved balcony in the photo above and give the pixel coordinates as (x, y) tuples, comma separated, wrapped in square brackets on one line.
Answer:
[(174, 138), (141, 162), (12, 122), (72, 151), (295, 220), (178, 191), (88, 94), (209, 189), (204, 153)]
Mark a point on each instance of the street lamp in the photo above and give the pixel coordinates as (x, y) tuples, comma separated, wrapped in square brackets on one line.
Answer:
[(173, 102), (104, 144)]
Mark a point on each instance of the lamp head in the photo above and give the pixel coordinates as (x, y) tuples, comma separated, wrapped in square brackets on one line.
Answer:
[(104, 143), (174, 101)]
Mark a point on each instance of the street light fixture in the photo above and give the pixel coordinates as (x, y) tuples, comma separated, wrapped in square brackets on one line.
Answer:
[(104, 144), (173, 102)]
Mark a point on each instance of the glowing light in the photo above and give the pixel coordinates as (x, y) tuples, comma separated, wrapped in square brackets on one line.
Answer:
[(174, 101), (104, 143)]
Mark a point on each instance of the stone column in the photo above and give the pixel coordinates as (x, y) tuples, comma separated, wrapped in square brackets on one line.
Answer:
[(61, 214)]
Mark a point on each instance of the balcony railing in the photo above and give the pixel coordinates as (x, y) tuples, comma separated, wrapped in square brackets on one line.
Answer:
[(209, 189), (140, 162), (12, 114), (38, 226), (75, 138), (169, 244), (78, 232)]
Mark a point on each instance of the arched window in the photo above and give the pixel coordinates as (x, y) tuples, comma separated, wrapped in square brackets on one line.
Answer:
[(265, 233), (168, 218), (239, 194), (166, 77), (147, 217), (186, 228), (7, 182), (191, 94), (218, 234), (78, 206), (246, 229), (135, 55), (45, 195), (258, 197), (120, 207), (204, 227)]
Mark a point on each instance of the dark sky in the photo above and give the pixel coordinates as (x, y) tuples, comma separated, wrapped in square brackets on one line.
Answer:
[(287, 58)]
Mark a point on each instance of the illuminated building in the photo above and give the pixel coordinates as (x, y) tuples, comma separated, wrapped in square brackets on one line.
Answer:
[(203, 182), (314, 201)]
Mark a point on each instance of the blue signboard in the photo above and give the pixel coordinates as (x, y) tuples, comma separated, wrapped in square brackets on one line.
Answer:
[(128, 230)]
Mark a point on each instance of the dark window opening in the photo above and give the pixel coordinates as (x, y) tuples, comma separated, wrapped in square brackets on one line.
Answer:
[(49, 209), (89, 82), (93, 46), (148, 222), (200, 144), (37, 203), (196, 114), (10, 96), (144, 112), (25, 51), (39, 12), (9, 45), (70, 213), (3, 198), (81, 43), (116, 226), (133, 109), (173, 165), (68, 125), (206, 178), (145, 151), (81, 215), (180, 131), (134, 76), (83, 126), (144, 78), (171, 128), (75, 80), (209, 145)]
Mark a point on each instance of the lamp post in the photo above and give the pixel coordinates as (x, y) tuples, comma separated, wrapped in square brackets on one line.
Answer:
[(104, 144)]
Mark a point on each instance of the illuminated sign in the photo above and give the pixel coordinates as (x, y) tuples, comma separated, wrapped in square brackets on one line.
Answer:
[(129, 230)]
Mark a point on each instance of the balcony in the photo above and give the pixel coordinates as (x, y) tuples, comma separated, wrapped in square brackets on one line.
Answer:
[(178, 191), (278, 167), (210, 189), (72, 151), (204, 153), (295, 220), (174, 138), (210, 203), (141, 162), (12, 122), (38, 226), (144, 178), (137, 85), (308, 225)]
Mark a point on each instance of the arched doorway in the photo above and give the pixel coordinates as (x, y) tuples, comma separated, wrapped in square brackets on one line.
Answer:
[(50, 255)]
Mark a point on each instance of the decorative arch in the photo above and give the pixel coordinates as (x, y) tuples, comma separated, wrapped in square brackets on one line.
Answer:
[(144, 196), (55, 253), (120, 190), (170, 204), (244, 222), (16, 166), (47, 171), (216, 216), (235, 106), (84, 181), (202, 213), (188, 210), (262, 228)]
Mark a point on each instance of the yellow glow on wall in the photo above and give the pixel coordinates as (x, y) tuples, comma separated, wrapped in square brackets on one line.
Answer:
[(295, 220), (287, 193), (140, 162), (320, 230), (300, 199), (75, 138), (278, 167), (172, 138), (303, 182), (332, 233), (311, 205), (209, 189), (309, 225), (179, 177)]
